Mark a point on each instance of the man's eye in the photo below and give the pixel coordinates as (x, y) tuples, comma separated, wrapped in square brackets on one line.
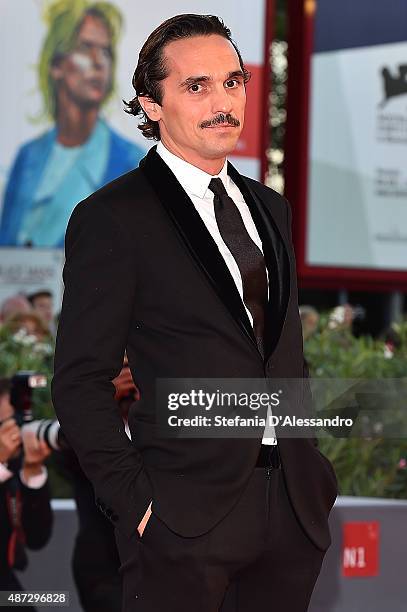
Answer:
[(232, 83), (195, 88)]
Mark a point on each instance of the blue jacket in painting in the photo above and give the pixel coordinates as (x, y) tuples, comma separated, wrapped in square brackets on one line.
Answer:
[(39, 197)]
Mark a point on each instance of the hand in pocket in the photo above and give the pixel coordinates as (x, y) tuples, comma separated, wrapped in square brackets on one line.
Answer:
[(144, 520)]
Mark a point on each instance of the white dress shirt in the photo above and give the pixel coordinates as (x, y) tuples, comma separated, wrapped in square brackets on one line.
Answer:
[(196, 183)]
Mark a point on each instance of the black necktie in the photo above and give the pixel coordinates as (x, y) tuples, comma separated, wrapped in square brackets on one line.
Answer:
[(247, 255)]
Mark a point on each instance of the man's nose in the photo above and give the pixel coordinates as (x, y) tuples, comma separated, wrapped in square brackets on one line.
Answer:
[(221, 101)]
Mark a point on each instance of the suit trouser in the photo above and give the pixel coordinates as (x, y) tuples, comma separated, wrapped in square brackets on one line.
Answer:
[(257, 558)]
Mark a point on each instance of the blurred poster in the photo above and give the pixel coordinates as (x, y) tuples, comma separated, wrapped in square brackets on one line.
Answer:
[(357, 188), (67, 65), (20, 274)]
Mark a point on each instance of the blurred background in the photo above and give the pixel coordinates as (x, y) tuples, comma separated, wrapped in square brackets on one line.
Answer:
[(326, 125)]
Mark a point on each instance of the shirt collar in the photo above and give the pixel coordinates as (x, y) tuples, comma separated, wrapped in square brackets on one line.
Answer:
[(194, 180)]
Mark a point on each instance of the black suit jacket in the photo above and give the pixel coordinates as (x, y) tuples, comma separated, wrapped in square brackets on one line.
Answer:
[(142, 273)]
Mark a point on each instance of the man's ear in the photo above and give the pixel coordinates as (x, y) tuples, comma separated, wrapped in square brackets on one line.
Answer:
[(151, 108)]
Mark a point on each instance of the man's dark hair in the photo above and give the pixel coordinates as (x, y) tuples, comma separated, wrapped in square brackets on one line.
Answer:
[(33, 296), (151, 68)]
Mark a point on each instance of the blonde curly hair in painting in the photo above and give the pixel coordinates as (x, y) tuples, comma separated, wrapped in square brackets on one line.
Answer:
[(64, 19)]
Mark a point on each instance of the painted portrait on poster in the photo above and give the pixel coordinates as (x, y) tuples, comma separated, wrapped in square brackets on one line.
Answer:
[(79, 151)]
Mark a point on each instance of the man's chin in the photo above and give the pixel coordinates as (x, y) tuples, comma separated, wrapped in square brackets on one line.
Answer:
[(221, 148)]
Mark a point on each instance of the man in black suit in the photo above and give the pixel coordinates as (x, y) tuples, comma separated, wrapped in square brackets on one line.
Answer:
[(189, 267)]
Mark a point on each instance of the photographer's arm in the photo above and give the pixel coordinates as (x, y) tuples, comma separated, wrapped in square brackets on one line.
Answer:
[(100, 288), (36, 515)]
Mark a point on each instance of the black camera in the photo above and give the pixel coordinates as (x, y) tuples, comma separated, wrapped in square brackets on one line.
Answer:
[(23, 384)]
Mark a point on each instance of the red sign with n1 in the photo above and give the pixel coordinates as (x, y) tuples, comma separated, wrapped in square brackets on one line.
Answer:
[(360, 551)]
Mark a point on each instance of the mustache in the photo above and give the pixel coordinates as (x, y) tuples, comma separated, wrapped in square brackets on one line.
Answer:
[(221, 118)]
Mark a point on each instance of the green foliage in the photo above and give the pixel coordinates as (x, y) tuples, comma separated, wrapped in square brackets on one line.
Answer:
[(364, 467), (22, 351)]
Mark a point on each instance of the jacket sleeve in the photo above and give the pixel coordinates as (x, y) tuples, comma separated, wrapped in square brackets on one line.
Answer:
[(100, 284)]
